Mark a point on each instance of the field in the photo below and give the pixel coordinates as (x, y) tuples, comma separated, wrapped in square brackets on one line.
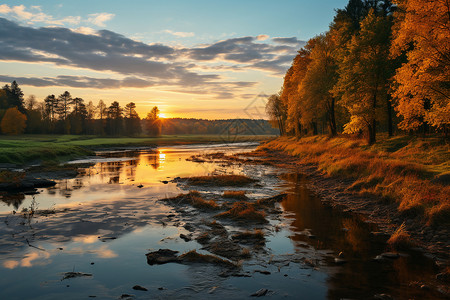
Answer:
[(56, 148)]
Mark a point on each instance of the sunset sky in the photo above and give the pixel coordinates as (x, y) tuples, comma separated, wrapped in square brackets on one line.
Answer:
[(205, 59)]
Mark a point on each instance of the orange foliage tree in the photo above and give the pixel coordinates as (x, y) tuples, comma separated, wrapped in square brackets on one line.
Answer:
[(13, 122), (422, 85)]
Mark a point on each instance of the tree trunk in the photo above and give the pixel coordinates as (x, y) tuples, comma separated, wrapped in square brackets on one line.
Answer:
[(314, 126), (332, 119), (389, 115)]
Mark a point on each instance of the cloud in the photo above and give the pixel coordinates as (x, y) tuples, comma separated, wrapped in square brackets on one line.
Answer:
[(179, 33), (34, 14), (99, 19), (262, 37), (285, 40), (136, 64)]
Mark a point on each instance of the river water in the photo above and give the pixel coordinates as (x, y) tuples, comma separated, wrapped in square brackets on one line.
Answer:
[(104, 221)]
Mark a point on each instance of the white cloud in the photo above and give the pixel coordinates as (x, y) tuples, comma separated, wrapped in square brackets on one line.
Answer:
[(85, 30), (262, 37), (5, 9), (99, 19), (179, 33), (34, 14)]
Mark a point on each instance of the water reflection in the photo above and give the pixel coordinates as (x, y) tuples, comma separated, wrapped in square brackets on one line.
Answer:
[(361, 277)]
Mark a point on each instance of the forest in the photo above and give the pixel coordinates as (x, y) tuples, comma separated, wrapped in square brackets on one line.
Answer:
[(65, 114), (382, 66)]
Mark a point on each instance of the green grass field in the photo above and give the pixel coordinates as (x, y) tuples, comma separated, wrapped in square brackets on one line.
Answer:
[(57, 148)]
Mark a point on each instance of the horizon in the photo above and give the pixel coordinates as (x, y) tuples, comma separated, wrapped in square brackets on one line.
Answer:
[(194, 62)]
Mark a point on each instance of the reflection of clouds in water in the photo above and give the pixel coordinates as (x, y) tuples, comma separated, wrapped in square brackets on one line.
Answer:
[(86, 239), (10, 264), (29, 260), (104, 252)]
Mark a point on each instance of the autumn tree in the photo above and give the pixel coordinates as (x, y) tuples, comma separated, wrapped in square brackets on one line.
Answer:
[(364, 73), (290, 91), (153, 122), (315, 91), (277, 112), (13, 122), (422, 85)]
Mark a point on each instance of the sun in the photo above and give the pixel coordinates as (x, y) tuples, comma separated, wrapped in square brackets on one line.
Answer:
[(162, 116)]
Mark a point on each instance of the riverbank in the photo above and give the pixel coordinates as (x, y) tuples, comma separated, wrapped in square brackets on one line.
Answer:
[(53, 149), (401, 180)]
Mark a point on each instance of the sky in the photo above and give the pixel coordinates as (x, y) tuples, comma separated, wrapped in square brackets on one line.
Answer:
[(193, 59)]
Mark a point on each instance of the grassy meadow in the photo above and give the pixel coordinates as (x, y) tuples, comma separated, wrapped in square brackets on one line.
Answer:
[(56, 148), (410, 170)]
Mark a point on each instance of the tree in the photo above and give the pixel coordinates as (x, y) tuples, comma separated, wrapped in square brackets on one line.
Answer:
[(315, 90), (17, 97), (290, 92), (13, 122), (132, 121), (153, 123), (422, 85), (101, 110), (114, 119), (364, 72), (31, 102), (277, 112), (64, 102)]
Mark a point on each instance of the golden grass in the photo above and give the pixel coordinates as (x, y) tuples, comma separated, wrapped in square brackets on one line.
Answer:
[(400, 239), (220, 180), (256, 234), (243, 211), (234, 194), (399, 168), (194, 199)]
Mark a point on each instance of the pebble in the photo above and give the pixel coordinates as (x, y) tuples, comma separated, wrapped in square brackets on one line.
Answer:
[(139, 288), (260, 293)]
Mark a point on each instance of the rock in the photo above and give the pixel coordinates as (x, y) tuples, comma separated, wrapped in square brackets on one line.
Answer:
[(69, 275), (263, 272), (139, 288), (382, 297), (260, 293), (162, 256), (140, 186), (186, 238), (444, 277), (126, 296), (165, 181), (391, 255), (339, 261)]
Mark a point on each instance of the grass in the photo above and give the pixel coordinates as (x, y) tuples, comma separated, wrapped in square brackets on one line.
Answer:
[(400, 239), (23, 149), (194, 257), (234, 195), (194, 199), (402, 169), (244, 211), (256, 234), (219, 180)]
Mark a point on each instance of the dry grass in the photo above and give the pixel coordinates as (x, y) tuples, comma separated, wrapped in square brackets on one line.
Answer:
[(220, 180), (256, 234), (244, 211), (194, 257), (194, 199), (399, 168), (234, 194), (400, 239)]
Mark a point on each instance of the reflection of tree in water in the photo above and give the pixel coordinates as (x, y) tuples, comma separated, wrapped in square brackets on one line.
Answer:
[(64, 188), (13, 199), (153, 160)]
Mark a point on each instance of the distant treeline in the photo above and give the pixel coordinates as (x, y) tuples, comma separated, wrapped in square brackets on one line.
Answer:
[(65, 114), (382, 66)]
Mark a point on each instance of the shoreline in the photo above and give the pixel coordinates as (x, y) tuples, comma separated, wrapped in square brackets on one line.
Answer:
[(337, 192)]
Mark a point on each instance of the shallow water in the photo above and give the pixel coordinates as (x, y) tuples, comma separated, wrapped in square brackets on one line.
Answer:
[(111, 224)]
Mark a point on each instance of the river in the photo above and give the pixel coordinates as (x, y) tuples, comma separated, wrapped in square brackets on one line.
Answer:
[(103, 222)]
